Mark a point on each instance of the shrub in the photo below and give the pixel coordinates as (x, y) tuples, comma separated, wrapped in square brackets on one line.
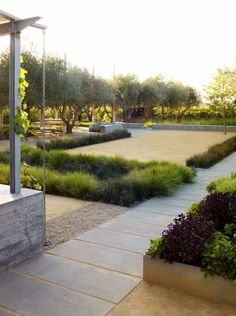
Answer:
[(219, 208), (78, 185), (184, 239), (4, 156), (138, 184), (4, 174), (156, 247), (213, 155), (194, 209), (122, 181), (227, 184), (4, 132), (68, 143), (219, 257)]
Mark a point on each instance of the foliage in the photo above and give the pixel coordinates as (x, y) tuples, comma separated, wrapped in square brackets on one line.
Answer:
[(29, 181), (221, 92), (21, 122), (219, 208), (227, 184), (68, 143), (4, 132), (185, 238), (213, 155), (118, 180), (219, 256), (156, 247), (127, 90), (194, 209)]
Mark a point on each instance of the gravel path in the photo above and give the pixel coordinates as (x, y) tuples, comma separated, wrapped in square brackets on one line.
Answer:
[(70, 225)]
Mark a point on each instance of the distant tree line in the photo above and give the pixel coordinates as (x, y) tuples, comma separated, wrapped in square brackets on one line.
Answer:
[(76, 95)]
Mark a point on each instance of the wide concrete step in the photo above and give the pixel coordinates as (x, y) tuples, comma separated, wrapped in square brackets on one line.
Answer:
[(147, 217), (133, 227), (32, 297), (80, 277), (102, 256), (118, 240)]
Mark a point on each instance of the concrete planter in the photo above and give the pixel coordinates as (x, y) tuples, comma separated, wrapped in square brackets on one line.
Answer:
[(21, 226), (189, 279)]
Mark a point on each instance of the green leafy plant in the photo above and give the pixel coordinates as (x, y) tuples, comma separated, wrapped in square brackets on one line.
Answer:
[(156, 247), (29, 181), (227, 184), (21, 122), (219, 257), (194, 209)]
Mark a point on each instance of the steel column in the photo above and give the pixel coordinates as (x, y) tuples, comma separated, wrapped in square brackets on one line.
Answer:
[(14, 102)]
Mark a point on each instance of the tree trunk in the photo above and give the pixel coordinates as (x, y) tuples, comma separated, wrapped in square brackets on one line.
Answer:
[(69, 128), (1, 118)]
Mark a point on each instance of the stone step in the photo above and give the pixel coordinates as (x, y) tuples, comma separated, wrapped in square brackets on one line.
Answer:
[(102, 256)]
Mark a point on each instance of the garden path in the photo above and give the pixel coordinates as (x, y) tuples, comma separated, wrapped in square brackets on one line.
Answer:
[(92, 273)]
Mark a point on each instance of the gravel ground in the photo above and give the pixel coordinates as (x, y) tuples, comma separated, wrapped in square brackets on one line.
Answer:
[(176, 146), (70, 225)]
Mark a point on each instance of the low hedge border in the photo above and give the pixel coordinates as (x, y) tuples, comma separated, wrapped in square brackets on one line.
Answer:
[(69, 143), (112, 180), (213, 155)]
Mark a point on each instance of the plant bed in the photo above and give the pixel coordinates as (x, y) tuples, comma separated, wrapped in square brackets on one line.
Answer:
[(213, 155), (113, 180), (197, 251), (189, 279), (73, 142)]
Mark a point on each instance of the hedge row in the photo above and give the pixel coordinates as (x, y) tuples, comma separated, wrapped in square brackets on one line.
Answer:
[(111, 180), (68, 143), (213, 155)]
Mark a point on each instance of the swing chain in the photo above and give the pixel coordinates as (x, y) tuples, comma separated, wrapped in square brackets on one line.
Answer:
[(46, 242)]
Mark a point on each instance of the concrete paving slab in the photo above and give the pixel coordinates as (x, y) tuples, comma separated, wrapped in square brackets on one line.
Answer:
[(133, 227), (32, 297), (5, 312), (80, 276), (166, 210), (147, 217), (106, 257), (118, 240), (163, 203)]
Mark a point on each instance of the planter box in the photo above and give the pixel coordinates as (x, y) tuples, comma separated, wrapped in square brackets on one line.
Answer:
[(21, 226), (189, 279)]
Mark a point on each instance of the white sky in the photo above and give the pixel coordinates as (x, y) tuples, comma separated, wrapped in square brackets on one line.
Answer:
[(181, 39)]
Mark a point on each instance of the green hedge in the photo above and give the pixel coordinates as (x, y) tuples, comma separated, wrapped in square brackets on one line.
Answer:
[(213, 155), (68, 143), (224, 185), (107, 179)]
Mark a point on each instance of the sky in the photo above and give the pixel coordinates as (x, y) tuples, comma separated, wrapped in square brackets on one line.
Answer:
[(185, 40)]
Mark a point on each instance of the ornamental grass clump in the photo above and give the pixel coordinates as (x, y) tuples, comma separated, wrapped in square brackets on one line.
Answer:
[(73, 142), (213, 155)]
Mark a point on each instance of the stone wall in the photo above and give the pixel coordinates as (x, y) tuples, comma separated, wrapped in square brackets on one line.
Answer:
[(21, 226), (189, 127)]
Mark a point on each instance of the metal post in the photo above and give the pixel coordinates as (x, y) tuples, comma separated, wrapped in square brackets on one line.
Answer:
[(14, 102)]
